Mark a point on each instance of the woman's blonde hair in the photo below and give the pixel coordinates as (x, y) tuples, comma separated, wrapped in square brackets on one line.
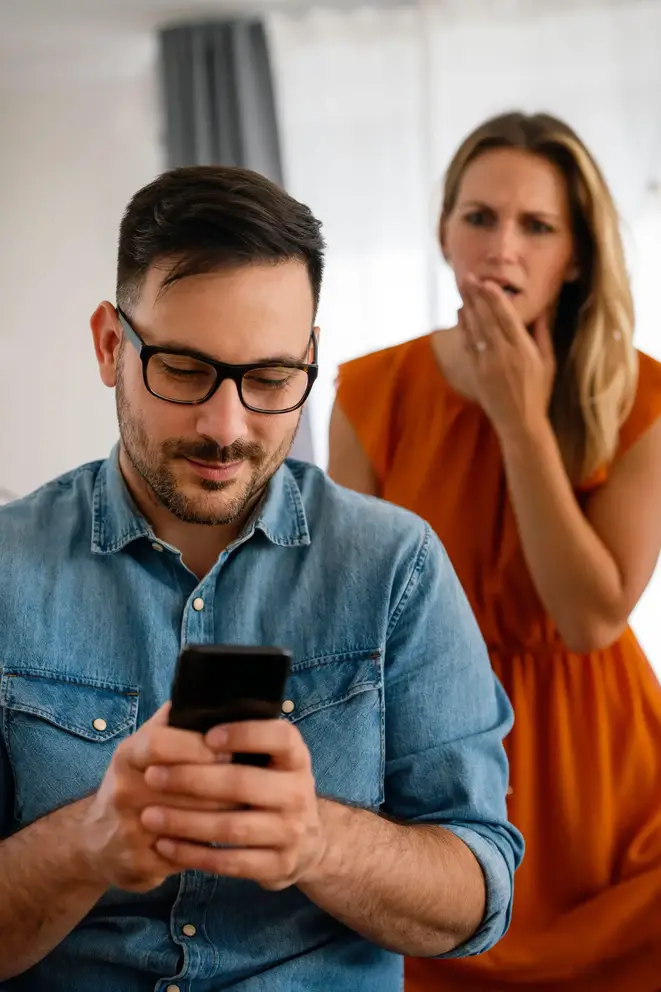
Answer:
[(597, 365)]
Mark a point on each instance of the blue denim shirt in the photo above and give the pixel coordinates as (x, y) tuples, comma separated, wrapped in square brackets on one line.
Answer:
[(391, 686)]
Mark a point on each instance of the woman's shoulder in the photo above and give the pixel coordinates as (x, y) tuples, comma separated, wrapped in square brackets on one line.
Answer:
[(645, 411), (386, 362), (646, 407), (649, 375), (374, 391)]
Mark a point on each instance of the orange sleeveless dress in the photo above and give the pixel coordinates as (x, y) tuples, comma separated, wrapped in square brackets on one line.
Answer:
[(585, 750)]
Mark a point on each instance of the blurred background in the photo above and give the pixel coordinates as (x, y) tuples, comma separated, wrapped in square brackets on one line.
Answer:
[(355, 108)]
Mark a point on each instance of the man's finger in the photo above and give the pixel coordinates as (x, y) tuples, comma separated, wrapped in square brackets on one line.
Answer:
[(264, 865), (158, 744), (277, 738), (233, 785), (240, 828)]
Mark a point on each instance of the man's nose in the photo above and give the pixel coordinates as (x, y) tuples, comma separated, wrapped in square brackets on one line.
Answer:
[(223, 417)]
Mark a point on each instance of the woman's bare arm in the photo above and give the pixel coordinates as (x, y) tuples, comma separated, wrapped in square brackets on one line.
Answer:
[(590, 568), (347, 462)]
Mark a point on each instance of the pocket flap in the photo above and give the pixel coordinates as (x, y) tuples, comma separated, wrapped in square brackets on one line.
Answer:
[(317, 683), (95, 712)]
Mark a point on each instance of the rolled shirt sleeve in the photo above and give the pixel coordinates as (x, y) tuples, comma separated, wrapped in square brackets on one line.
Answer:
[(446, 717)]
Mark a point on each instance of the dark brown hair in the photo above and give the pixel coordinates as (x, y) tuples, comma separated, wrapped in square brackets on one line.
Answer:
[(204, 218)]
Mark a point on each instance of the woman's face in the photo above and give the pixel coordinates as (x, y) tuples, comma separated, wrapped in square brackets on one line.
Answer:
[(511, 223)]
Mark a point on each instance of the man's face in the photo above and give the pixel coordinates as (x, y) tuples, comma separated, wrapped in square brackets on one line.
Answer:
[(208, 463)]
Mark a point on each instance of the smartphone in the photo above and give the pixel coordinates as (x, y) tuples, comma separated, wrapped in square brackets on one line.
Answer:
[(221, 683)]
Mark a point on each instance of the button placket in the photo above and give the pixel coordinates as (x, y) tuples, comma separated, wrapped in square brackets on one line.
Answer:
[(198, 619), (195, 893)]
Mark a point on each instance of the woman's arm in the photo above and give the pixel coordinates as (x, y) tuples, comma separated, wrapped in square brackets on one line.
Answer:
[(347, 462), (591, 568)]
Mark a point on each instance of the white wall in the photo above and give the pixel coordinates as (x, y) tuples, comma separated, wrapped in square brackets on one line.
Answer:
[(80, 134)]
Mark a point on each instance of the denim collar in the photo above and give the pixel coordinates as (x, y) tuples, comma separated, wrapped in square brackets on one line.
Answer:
[(116, 521)]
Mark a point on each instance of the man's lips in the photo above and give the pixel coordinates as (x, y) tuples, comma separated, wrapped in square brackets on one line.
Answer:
[(215, 471)]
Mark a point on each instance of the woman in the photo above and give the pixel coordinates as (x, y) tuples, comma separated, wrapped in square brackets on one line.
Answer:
[(529, 435)]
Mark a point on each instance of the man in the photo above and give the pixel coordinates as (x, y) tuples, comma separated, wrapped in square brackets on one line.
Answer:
[(136, 856)]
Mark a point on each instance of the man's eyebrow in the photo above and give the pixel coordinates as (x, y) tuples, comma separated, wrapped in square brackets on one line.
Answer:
[(179, 349)]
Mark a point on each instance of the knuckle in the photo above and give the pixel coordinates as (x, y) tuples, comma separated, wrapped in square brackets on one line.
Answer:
[(302, 791), (153, 743), (241, 778), (114, 788), (235, 862), (235, 830), (296, 828), (122, 752), (120, 793)]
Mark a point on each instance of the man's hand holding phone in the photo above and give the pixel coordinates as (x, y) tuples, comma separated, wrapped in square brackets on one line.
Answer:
[(205, 772), (115, 846), (269, 816)]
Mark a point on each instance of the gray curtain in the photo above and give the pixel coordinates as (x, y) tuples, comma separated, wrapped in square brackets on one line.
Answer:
[(220, 110)]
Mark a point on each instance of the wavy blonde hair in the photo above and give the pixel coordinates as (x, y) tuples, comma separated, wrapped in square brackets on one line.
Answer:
[(597, 368)]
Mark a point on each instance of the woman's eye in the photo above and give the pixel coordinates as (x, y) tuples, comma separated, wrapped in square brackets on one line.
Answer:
[(477, 218), (539, 226)]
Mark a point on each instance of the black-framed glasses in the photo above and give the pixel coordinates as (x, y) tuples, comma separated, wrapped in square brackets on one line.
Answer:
[(190, 378)]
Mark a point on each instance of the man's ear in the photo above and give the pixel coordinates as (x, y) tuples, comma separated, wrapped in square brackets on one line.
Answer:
[(107, 336)]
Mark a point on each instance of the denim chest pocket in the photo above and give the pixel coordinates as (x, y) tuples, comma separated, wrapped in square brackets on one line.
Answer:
[(60, 734), (336, 701)]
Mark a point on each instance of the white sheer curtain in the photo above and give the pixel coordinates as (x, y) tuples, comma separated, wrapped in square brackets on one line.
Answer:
[(350, 93), (372, 103)]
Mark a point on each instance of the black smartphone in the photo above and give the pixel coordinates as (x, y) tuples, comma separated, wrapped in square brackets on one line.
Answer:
[(221, 683)]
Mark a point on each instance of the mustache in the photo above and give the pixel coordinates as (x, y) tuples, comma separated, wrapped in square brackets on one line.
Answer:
[(206, 450)]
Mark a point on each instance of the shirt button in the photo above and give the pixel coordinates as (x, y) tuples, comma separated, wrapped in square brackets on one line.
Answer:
[(99, 724), (156, 546), (198, 604), (189, 930), (288, 706)]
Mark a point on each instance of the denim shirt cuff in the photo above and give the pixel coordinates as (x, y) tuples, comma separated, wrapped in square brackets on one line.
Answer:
[(499, 885)]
